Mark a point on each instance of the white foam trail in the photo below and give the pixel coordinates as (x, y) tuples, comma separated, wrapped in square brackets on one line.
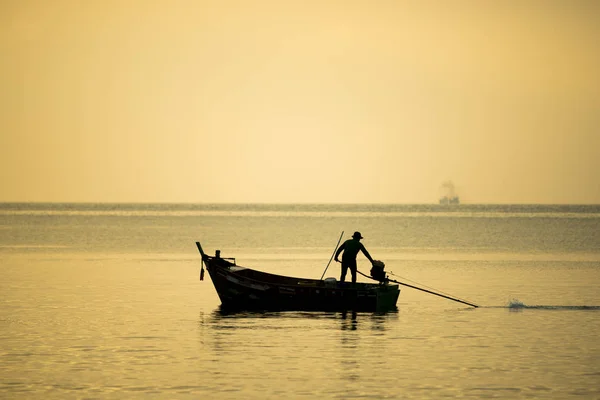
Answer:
[(516, 304)]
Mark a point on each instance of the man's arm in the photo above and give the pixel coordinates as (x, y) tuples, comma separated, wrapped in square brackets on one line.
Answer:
[(339, 250), (366, 253)]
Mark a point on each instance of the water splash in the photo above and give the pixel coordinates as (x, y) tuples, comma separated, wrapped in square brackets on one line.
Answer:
[(516, 305)]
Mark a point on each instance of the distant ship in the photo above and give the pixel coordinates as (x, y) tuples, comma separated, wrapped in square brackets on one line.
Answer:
[(449, 195), (449, 200)]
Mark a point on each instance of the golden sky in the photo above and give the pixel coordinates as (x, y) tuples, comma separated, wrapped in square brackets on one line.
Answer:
[(300, 101)]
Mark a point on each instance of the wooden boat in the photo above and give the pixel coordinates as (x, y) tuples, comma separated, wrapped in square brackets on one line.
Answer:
[(242, 288)]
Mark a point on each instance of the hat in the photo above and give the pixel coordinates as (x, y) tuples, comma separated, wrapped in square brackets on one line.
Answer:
[(357, 235)]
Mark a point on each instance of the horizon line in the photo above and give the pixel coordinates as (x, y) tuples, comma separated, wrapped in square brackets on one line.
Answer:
[(291, 203)]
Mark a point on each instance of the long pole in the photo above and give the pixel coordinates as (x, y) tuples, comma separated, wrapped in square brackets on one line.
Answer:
[(334, 250), (437, 294)]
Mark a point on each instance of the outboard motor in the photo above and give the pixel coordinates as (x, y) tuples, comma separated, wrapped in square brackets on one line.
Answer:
[(377, 272)]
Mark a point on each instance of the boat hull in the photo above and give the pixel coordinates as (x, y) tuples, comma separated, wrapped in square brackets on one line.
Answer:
[(246, 289)]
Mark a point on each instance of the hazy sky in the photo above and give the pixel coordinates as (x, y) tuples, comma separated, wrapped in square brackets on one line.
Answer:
[(300, 101)]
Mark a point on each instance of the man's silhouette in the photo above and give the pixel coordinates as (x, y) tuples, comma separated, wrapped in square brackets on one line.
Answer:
[(351, 247)]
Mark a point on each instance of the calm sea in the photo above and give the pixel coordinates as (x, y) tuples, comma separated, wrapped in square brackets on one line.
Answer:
[(104, 301)]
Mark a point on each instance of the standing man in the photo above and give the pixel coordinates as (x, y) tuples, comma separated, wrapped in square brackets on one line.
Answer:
[(351, 247)]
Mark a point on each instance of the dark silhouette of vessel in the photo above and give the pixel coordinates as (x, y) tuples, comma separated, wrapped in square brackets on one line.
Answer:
[(449, 196), (446, 200)]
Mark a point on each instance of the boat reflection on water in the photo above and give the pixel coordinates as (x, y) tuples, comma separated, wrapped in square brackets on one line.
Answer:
[(222, 316), (350, 323)]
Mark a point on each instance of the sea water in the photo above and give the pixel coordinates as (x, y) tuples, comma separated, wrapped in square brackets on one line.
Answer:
[(104, 301)]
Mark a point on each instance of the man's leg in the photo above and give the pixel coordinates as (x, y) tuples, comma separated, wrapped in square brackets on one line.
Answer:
[(353, 271), (344, 270)]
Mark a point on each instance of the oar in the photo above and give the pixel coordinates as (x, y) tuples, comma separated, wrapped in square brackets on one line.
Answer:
[(334, 250), (437, 294)]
